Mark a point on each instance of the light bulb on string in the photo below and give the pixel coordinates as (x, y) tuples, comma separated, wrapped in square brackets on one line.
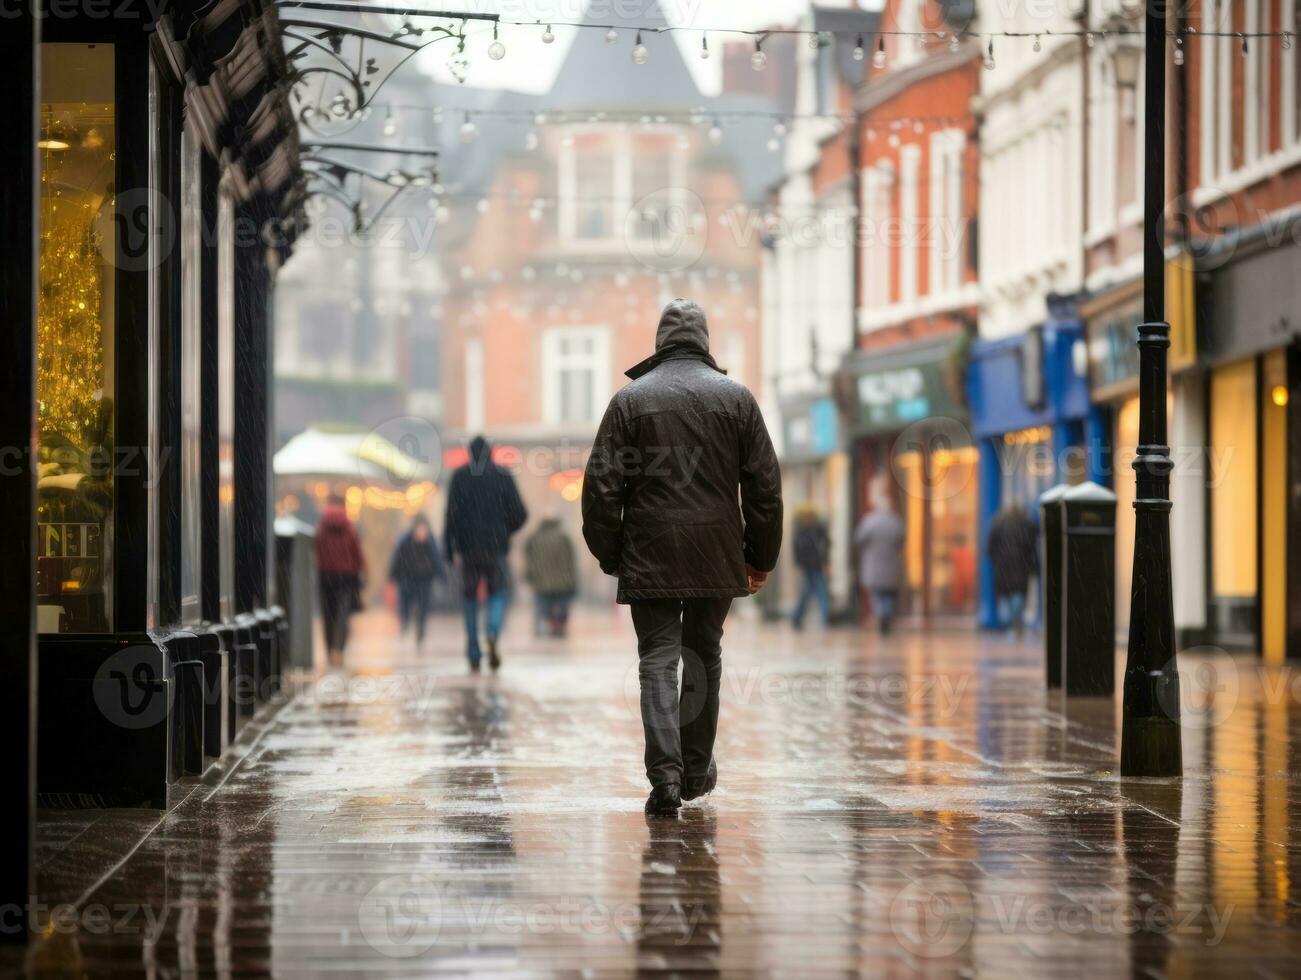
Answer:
[(989, 63), (715, 134), (779, 128), (704, 47), (531, 140), (1287, 40), (611, 36), (639, 53), (1245, 50), (1038, 44), (858, 48), (468, 130), (1179, 52), (955, 41), (496, 50), (390, 124), (878, 59), (815, 41), (547, 36), (758, 60), (1089, 39)]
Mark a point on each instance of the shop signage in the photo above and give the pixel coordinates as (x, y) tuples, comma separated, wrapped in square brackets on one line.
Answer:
[(812, 428), (897, 397), (1113, 351)]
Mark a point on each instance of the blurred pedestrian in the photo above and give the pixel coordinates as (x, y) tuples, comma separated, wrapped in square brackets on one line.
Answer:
[(551, 571), (812, 549), (661, 511), (879, 538), (415, 564), (1014, 554), (483, 510), (340, 571)]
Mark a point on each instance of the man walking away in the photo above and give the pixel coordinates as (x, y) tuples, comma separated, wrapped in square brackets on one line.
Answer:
[(879, 538), (416, 563), (340, 567), (551, 572), (660, 511), (1014, 554), (812, 548), (483, 510)]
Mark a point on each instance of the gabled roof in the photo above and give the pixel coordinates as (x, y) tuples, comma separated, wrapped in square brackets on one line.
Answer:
[(597, 73)]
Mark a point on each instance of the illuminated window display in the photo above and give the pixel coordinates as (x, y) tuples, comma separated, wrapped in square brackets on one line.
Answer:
[(75, 339)]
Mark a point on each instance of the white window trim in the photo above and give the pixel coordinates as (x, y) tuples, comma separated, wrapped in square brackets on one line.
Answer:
[(475, 385), (1287, 104), (600, 360), (910, 156)]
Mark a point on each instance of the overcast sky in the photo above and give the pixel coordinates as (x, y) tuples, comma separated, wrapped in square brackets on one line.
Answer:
[(530, 65)]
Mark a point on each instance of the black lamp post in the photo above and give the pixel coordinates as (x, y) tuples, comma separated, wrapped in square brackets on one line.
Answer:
[(1149, 741)]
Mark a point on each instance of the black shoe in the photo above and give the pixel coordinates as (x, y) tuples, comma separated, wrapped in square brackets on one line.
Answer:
[(664, 800), (474, 666), (494, 658), (694, 788)]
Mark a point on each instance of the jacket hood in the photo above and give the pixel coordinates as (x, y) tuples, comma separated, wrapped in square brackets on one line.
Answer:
[(682, 333), (479, 449), (682, 325)]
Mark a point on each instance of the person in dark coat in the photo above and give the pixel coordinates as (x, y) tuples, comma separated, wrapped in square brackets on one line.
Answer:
[(661, 512), (340, 571), (1014, 554), (483, 510), (812, 548), (415, 564), (552, 573)]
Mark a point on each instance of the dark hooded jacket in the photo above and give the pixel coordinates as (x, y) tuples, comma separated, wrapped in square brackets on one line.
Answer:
[(483, 509), (660, 495)]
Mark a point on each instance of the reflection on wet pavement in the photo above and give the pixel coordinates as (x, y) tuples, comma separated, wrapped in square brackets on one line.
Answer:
[(913, 805)]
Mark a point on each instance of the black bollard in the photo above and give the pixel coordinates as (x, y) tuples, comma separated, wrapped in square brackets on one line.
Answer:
[(1088, 516), (1050, 533)]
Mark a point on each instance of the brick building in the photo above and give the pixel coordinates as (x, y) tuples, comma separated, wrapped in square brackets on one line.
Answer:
[(564, 243)]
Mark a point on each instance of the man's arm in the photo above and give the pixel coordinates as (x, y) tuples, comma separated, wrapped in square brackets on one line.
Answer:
[(516, 512), (603, 490), (761, 494), (450, 517)]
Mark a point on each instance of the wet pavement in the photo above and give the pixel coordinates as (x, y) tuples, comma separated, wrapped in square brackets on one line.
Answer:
[(913, 805)]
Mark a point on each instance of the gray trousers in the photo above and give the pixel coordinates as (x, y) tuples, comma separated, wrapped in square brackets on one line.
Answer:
[(679, 726)]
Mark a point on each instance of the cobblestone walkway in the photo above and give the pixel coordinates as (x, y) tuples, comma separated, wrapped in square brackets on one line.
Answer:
[(914, 805)]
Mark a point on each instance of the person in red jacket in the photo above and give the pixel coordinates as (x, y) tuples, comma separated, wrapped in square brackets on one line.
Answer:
[(340, 568)]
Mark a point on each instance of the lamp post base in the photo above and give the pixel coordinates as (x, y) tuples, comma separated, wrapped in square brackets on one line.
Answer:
[(1150, 747)]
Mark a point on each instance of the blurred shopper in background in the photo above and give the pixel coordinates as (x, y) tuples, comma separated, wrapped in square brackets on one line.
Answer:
[(552, 573), (1014, 554), (341, 569), (879, 538), (682, 501), (415, 564), (483, 510), (812, 548)]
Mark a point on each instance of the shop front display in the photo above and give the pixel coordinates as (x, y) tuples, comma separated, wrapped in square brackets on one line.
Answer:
[(907, 422), (1032, 423)]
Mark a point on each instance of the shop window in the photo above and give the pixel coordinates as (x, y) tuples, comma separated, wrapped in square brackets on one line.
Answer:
[(75, 330), (1234, 489), (191, 357)]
